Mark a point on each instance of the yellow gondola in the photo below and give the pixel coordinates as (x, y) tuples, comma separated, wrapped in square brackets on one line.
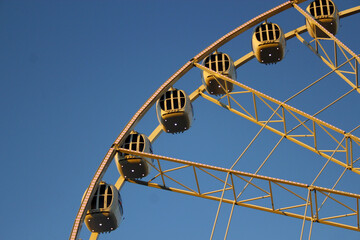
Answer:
[(175, 111), (223, 64), (106, 210), (268, 43), (326, 13), (131, 166)]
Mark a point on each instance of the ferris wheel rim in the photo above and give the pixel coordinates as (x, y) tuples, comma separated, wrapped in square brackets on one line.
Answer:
[(168, 83)]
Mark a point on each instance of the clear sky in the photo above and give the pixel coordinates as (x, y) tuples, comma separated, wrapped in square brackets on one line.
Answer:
[(74, 72)]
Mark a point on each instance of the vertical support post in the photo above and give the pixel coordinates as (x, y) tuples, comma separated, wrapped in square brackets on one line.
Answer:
[(358, 220), (218, 210), (351, 153), (161, 172), (307, 204), (255, 108), (94, 236), (120, 182), (335, 53), (356, 73), (311, 204), (314, 133), (197, 181), (228, 226), (316, 206), (271, 196), (311, 226), (284, 120), (232, 208), (347, 150)]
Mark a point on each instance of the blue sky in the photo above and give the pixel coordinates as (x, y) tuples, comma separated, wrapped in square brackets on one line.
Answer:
[(74, 72)]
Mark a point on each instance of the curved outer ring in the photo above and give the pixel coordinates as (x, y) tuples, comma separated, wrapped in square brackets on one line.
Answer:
[(161, 90)]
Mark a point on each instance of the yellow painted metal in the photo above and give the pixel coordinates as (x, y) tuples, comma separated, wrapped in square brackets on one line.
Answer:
[(249, 182), (312, 202), (220, 202), (329, 63), (253, 199), (311, 227), (177, 168), (291, 207), (218, 190), (297, 195), (253, 206), (271, 196), (196, 179), (229, 221), (94, 236), (343, 204), (339, 216), (358, 210), (120, 183), (357, 74), (293, 111), (327, 196), (280, 133), (156, 133), (316, 206), (212, 175), (268, 98), (338, 42)]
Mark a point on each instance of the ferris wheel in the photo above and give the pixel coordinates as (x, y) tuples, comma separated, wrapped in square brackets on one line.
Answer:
[(254, 154)]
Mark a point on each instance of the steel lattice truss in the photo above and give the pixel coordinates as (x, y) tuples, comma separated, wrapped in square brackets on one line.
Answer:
[(291, 123), (229, 186)]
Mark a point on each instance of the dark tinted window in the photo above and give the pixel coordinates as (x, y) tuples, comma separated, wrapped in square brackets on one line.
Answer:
[(168, 104), (312, 10), (176, 103), (220, 66), (264, 36), (101, 201), (162, 104), (102, 189), (207, 62), (318, 11), (271, 35), (168, 94), (108, 200), (257, 33), (93, 202), (182, 100), (227, 64)]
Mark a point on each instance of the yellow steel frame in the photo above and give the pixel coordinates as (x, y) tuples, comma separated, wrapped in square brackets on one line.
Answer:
[(353, 60), (283, 113), (234, 190), (280, 112)]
